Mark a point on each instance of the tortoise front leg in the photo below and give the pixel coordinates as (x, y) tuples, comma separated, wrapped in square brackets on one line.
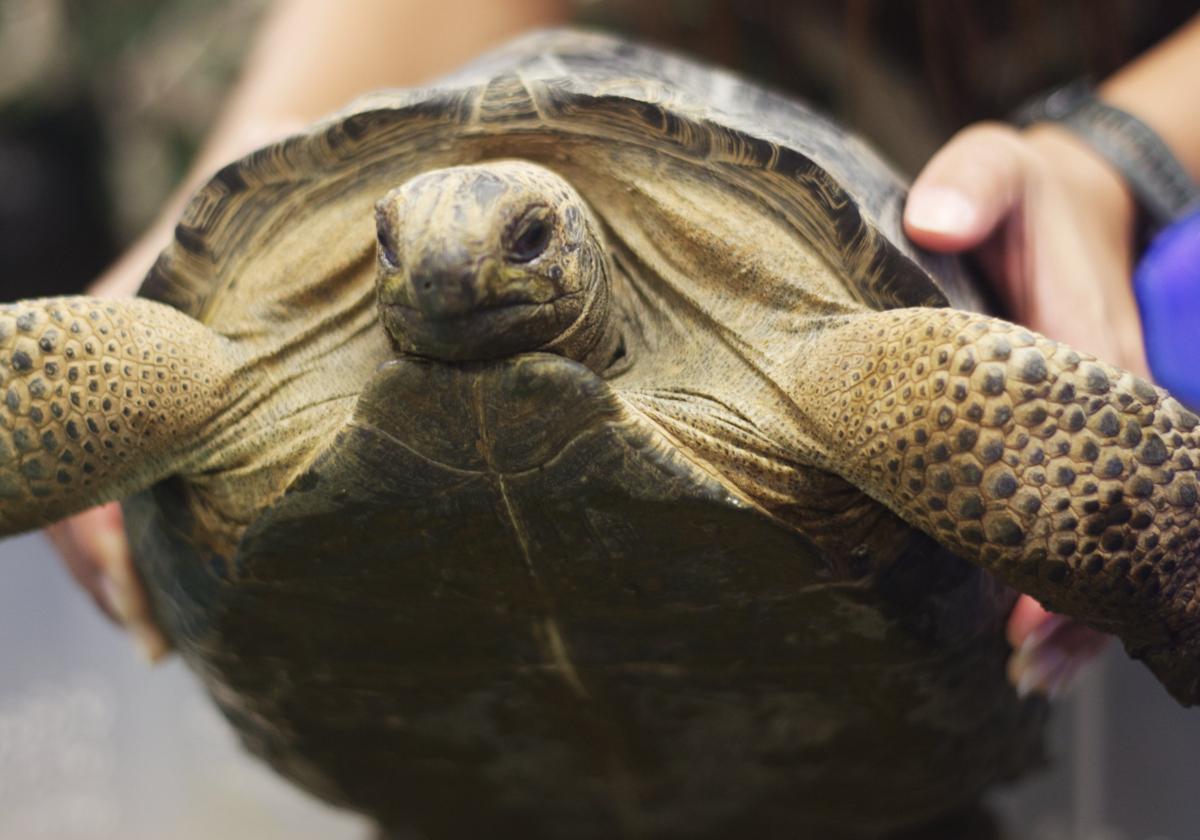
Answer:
[(1071, 479), (101, 398)]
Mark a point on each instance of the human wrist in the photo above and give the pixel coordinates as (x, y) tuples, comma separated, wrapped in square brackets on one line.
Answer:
[(1153, 87)]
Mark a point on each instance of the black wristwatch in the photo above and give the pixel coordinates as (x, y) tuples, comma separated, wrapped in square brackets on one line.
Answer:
[(1161, 186)]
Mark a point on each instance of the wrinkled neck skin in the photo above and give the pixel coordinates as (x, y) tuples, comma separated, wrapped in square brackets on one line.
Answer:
[(594, 339)]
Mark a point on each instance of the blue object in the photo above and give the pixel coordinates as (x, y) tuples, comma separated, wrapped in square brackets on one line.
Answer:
[(1166, 283)]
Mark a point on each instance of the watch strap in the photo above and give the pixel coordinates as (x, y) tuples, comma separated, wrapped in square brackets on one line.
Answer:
[(1162, 187)]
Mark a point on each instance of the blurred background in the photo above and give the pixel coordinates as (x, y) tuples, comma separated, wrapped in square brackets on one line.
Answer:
[(102, 106)]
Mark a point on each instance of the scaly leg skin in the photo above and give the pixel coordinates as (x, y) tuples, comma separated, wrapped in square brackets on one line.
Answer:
[(101, 398), (1072, 480)]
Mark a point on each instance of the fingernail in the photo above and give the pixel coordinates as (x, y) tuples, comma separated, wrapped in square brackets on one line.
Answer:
[(940, 210), (1036, 671), (148, 640), (110, 550), (116, 598), (1045, 628), (149, 643), (1028, 680), (1016, 665)]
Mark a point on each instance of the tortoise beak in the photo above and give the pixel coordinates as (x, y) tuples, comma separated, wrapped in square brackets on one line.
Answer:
[(453, 308), (449, 285)]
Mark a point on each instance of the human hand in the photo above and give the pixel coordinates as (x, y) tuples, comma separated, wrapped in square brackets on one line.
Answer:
[(1052, 225)]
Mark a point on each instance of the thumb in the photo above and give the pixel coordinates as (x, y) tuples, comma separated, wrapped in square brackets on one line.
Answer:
[(967, 189)]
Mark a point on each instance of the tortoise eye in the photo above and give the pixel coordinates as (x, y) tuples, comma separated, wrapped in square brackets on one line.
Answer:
[(383, 235), (530, 241)]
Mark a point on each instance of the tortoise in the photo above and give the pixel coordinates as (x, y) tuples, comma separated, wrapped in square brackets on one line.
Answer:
[(577, 447)]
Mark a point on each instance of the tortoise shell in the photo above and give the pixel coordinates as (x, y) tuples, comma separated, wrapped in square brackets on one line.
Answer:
[(498, 597)]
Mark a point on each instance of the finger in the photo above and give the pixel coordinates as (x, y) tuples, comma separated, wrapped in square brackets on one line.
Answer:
[(123, 588), (1051, 650), (96, 551), (1026, 616), (1051, 666), (967, 189), (71, 538)]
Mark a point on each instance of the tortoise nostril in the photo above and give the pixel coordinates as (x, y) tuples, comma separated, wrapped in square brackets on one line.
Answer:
[(443, 288)]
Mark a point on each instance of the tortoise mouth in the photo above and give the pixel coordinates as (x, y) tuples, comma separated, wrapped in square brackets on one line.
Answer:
[(479, 309), (488, 331)]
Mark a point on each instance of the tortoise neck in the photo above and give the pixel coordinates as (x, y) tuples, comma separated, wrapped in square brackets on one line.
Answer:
[(595, 337)]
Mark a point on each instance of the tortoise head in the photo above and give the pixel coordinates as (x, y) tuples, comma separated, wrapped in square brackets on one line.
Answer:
[(487, 261)]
